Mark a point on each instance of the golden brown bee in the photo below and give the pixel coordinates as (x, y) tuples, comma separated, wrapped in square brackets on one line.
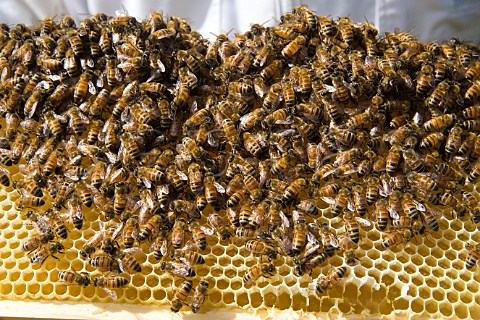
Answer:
[(131, 148), (372, 189), (473, 256), (147, 230), (72, 277), (57, 223), (454, 140), (258, 247), (178, 269), (180, 296), (381, 214), (271, 70), (468, 144), (294, 46), (36, 242), (438, 95), (473, 92), (293, 190), (217, 222), (393, 159), (83, 86), (288, 97), (473, 72), (45, 251), (308, 264), (408, 206), (424, 80), (332, 278), (413, 160), (395, 238), (110, 282), (422, 181), (432, 141), (105, 263), (430, 220), (70, 64), (199, 296), (178, 234), (257, 271), (348, 246), (299, 239), (326, 26), (188, 257)]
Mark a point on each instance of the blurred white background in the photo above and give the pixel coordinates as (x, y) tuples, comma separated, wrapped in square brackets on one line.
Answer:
[(428, 19)]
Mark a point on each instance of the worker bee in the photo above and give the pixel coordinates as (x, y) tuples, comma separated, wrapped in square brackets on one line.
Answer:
[(309, 264), (84, 86), (217, 222), (159, 246), (150, 228), (372, 190), (473, 256), (432, 140), (199, 296), (36, 242), (293, 190), (257, 271), (180, 295), (109, 282), (430, 219), (75, 212), (188, 257), (259, 247), (178, 234), (473, 92), (332, 278), (72, 277), (424, 80), (422, 181), (199, 235), (105, 263), (57, 223), (46, 251), (395, 238), (178, 269), (294, 46)]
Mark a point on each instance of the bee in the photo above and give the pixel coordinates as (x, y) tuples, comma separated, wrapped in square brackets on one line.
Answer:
[(438, 95), (424, 80), (348, 246), (198, 236), (240, 88), (62, 194), (231, 133), (294, 46), (178, 234), (199, 296), (109, 238), (372, 190), (271, 70), (127, 261), (4, 177), (299, 236), (178, 269), (28, 201), (473, 92), (288, 97), (46, 251), (422, 181), (259, 247), (36, 242), (159, 246), (75, 212), (454, 141), (130, 232), (72, 277), (430, 219), (395, 238), (57, 223), (473, 72), (332, 278), (105, 263), (326, 26), (70, 64), (217, 222), (150, 227), (110, 282), (84, 86), (432, 140), (85, 194), (382, 214), (293, 190), (393, 159), (257, 271), (473, 256), (188, 257), (180, 295), (413, 161), (309, 264)]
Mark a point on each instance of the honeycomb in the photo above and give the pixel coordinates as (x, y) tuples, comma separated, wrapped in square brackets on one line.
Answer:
[(426, 277)]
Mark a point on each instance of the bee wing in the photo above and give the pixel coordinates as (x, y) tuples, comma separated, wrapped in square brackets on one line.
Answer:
[(436, 212), (117, 231), (182, 175), (147, 183), (91, 88), (393, 213), (420, 206), (207, 231), (111, 293), (334, 241), (351, 205), (363, 222), (285, 221), (219, 187), (328, 200), (329, 88)]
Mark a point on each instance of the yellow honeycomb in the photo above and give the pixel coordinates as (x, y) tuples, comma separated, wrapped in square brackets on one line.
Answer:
[(426, 278)]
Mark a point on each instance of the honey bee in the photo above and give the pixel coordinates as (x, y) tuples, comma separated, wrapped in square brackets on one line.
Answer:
[(178, 269), (309, 264), (46, 251), (110, 282), (72, 277), (178, 234), (109, 238), (84, 86), (180, 296), (199, 296), (219, 225), (424, 80), (473, 72), (75, 212), (188, 257), (57, 223), (257, 271), (348, 246), (413, 160), (150, 228), (393, 159), (372, 190), (473, 256), (332, 278), (105, 263), (36, 242), (473, 92), (395, 238), (293, 190), (294, 46), (429, 217), (159, 246), (271, 70), (432, 140)]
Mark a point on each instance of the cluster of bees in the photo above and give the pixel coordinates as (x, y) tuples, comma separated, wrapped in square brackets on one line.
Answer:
[(262, 141)]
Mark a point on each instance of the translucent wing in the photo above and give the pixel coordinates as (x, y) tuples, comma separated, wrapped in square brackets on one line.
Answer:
[(363, 222)]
